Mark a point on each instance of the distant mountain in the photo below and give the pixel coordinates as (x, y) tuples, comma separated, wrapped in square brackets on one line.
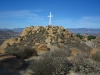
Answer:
[(14, 30), (85, 30), (17, 29), (73, 30), (6, 34)]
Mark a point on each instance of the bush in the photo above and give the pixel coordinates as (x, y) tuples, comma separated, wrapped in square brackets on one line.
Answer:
[(22, 53), (80, 36), (91, 37), (96, 56), (57, 53), (86, 67), (51, 64)]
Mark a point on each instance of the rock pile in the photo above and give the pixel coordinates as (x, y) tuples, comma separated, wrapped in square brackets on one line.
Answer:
[(43, 38)]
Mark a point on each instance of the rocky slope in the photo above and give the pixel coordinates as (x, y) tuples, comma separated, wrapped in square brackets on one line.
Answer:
[(50, 36), (44, 38)]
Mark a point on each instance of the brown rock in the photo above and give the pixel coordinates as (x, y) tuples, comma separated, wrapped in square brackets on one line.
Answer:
[(42, 48), (3, 51), (37, 44), (60, 41), (75, 52), (19, 40), (25, 31), (93, 51), (8, 42)]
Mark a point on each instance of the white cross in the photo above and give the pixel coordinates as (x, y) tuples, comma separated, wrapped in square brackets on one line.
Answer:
[(50, 18)]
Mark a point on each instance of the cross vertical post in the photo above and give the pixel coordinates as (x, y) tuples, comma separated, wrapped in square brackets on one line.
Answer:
[(50, 18)]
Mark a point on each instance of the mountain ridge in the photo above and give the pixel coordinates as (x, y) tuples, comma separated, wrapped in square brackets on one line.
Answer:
[(73, 30)]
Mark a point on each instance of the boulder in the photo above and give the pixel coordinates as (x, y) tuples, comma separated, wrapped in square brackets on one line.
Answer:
[(75, 52), (8, 42), (93, 51), (25, 31), (42, 48), (3, 52), (37, 44), (60, 41)]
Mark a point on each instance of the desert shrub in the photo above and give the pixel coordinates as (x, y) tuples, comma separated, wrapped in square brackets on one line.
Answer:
[(80, 36), (91, 37), (51, 64), (63, 52), (22, 53), (85, 50), (86, 67), (96, 56)]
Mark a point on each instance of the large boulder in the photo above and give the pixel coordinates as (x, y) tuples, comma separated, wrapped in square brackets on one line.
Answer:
[(42, 48)]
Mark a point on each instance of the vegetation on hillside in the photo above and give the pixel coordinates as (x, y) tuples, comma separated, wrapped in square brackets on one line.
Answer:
[(22, 52), (80, 36), (59, 62), (89, 37)]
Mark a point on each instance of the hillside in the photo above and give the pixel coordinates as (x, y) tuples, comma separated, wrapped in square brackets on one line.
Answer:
[(51, 50), (7, 34), (51, 36)]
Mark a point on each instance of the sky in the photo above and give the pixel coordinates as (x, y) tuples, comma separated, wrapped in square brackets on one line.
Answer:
[(66, 13)]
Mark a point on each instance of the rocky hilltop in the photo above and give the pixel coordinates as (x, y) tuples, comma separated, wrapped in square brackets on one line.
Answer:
[(50, 43), (49, 35)]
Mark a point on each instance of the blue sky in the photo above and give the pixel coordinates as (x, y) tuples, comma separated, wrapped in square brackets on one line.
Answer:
[(66, 13)]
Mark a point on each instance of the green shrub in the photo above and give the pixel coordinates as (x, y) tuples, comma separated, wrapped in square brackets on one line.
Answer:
[(22, 53), (26, 53), (96, 56), (80, 36), (91, 37), (51, 64)]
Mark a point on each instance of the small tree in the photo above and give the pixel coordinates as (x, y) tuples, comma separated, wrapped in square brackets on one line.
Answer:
[(91, 37), (80, 36)]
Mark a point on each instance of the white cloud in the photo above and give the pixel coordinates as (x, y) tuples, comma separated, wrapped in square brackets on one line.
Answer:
[(92, 22), (27, 15), (18, 14), (83, 22)]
